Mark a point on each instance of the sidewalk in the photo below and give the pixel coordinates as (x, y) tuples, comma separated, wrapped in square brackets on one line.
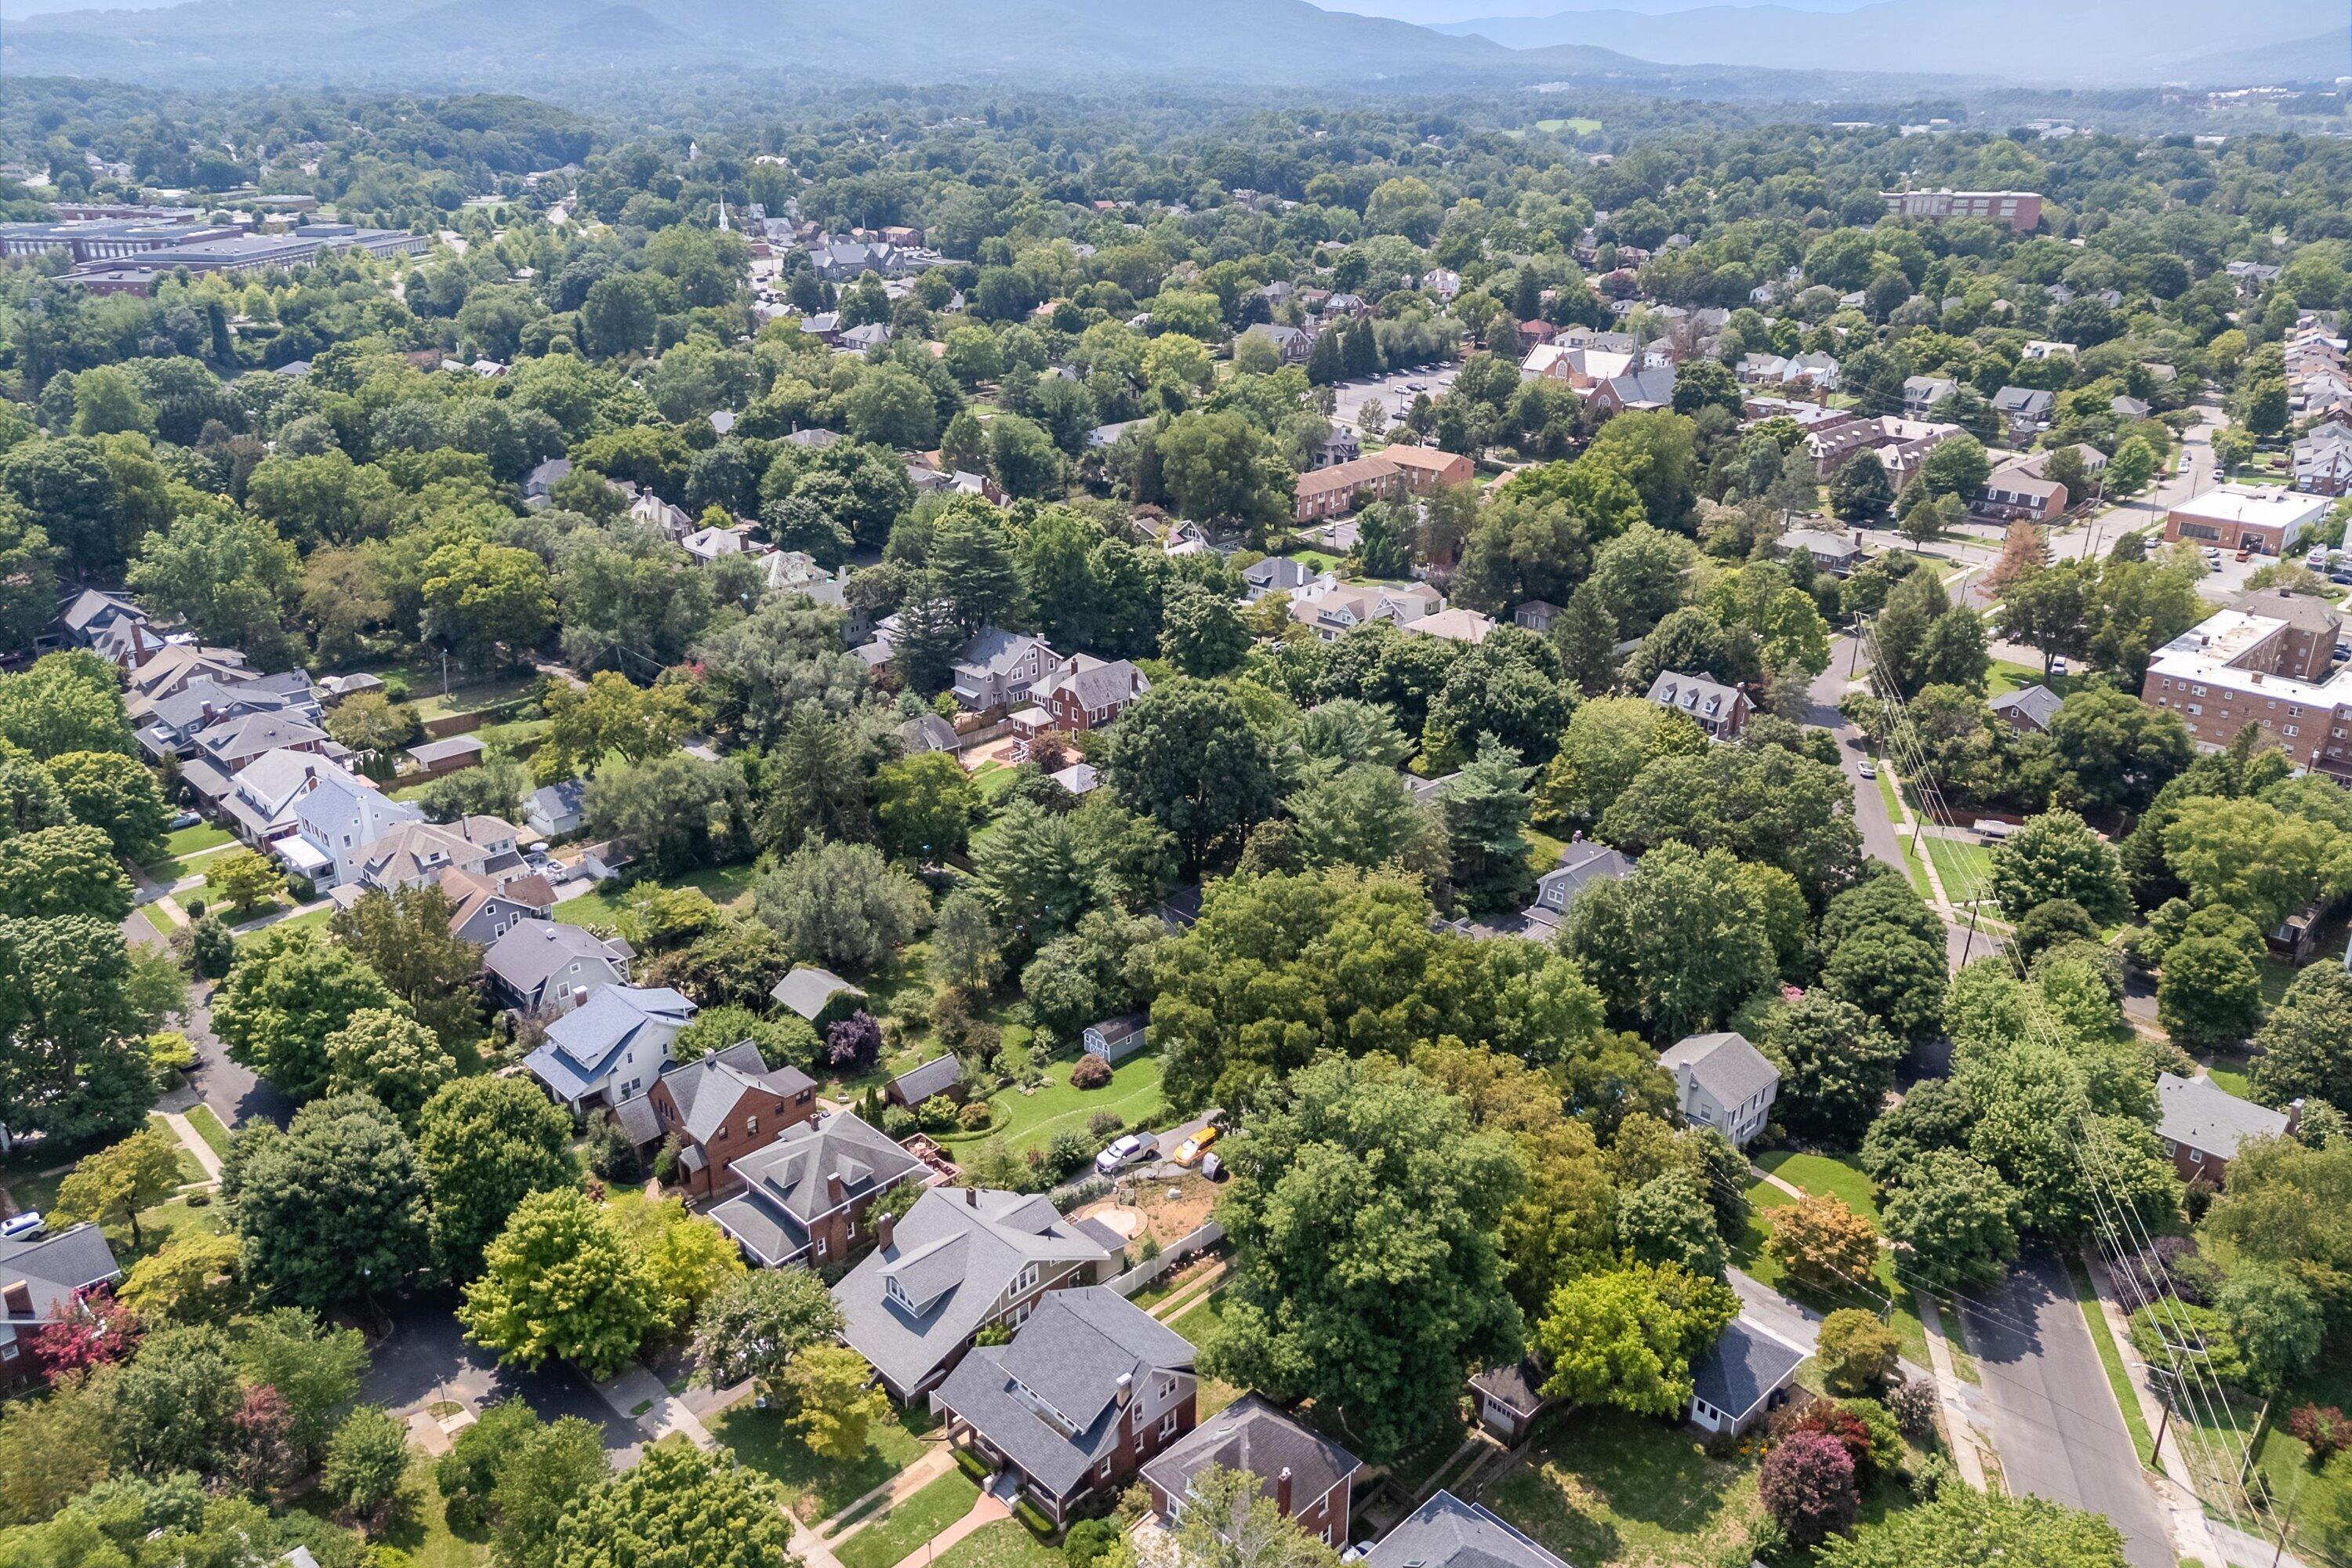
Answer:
[(986, 1511), (194, 1142), (895, 1490), (639, 1395), (1966, 1457), (2177, 1492)]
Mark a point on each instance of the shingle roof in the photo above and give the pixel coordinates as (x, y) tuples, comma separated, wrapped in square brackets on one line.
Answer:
[(529, 953), (1701, 696), (1251, 1434), (581, 1044), (937, 1076), (1744, 1367), (787, 1183), (2038, 703), (707, 1091), (57, 1266), (809, 987), (1446, 1532), (2205, 1116), (1725, 1065)]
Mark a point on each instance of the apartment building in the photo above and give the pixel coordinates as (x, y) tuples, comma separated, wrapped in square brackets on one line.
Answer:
[(2268, 660), (2021, 210)]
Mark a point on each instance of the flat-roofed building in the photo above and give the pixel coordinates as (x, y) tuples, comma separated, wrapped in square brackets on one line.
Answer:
[(2263, 520)]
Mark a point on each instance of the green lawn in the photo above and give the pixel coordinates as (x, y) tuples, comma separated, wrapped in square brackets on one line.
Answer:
[(423, 1531), (813, 1488), (1007, 1543), (1608, 1489), (163, 1224), (183, 851), (156, 919), (35, 1194), (1573, 125), (1196, 1321), (2111, 1357), (1839, 1177), (994, 780), (602, 904), (2228, 1071), (896, 1532), (1031, 1120), (2004, 677), (1961, 866), (1884, 1294), (192, 1169), (210, 1127)]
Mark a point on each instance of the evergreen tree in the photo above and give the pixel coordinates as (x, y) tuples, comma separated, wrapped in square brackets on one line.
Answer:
[(1486, 807)]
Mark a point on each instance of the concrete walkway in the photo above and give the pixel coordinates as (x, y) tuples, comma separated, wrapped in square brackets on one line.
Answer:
[(194, 1142), (938, 1462), (1966, 1458), (987, 1511), (639, 1395), (2192, 1536)]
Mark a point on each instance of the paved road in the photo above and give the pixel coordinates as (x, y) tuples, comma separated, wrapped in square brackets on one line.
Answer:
[(1793, 1320), (2052, 1415), (427, 1359), (233, 1092)]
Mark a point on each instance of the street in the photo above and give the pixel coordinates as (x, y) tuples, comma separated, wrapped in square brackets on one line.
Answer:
[(2053, 1414), (427, 1360)]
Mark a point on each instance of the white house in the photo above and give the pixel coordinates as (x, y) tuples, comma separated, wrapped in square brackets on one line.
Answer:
[(1725, 1082), (612, 1046)]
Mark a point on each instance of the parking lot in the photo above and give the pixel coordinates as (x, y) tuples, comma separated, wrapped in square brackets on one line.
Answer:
[(1395, 392)]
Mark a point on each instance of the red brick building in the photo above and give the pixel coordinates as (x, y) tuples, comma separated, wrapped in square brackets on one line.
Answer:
[(1426, 467), (1343, 486), (806, 1192), (721, 1108), (1311, 1478)]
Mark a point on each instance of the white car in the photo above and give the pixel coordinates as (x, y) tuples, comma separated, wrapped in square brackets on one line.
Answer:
[(2058, 666), (1866, 768), (1125, 1152), (22, 1227)]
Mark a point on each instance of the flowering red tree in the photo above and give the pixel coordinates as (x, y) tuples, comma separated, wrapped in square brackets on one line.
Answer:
[(855, 1041), (1836, 1423), (1807, 1485), (263, 1454), (90, 1329), (2322, 1428)]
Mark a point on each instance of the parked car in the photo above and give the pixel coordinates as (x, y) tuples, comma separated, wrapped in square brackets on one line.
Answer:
[(27, 1227), (2058, 665), (1193, 1148), (1125, 1152), (1866, 768), (2245, 554), (186, 819)]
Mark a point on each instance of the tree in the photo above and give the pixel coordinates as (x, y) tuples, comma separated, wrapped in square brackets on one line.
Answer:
[(1860, 491), (367, 1465), (1625, 1337), (677, 1508), (2275, 1323), (538, 1481), (246, 879), (1955, 465), (2261, 861), (1607, 743), (391, 1056), (611, 716), (560, 1281), (111, 1186), (288, 992), (755, 1324), (1185, 754), (680, 811), (194, 1279), (1964, 1528), (1669, 1219), (404, 936), (66, 702), (2208, 994), (115, 794), (1363, 1211), (688, 1258), (1485, 807), (83, 1332), (2117, 750), (1678, 944), (75, 1067), (1891, 975), (1836, 1066), (1230, 1521), (1365, 815), (2056, 856), (2306, 1042), (316, 1371), (331, 1209), (479, 598), (1823, 1243), (1858, 1352), (841, 903), (483, 1145), (925, 804), (1219, 469), (1954, 1215), (834, 1400), (1807, 1485), (174, 1405), (68, 870), (1201, 632)]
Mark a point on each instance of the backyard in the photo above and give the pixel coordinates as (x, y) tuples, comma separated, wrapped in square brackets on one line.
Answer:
[(1608, 1489), (602, 903), (1032, 1119), (815, 1487), (1882, 1293)]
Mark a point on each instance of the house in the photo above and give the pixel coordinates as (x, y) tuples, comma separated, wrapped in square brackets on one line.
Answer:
[(1329, 492), (2323, 460), (709, 546), (927, 732), (539, 485), (610, 1047), (553, 810), (415, 852), (1342, 446), (1274, 574), (806, 1195), (1582, 863), (37, 1277), (1293, 344), (1922, 393), (1816, 370), (1425, 467), (2024, 410), (2027, 709), (1446, 1532), (1115, 1040), (437, 758), (2202, 1125), (482, 910), (2016, 490), (335, 817), (1091, 1389), (718, 1108), (1456, 624), (1722, 1080), (1836, 553), (335, 687), (89, 616), (1536, 616), (1079, 778), (172, 668), (1087, 692), (1335, 610), (809, 991), (235, 742), (997, 668), (1509, 1397), (1742, 1378), (261, 803), (1311, 1478), (940, 1075), (671, 523), (544, 967), (862, 339), (1721, 710), (2129, 407), (1760, 370), (960, 1260), (1648, 389)]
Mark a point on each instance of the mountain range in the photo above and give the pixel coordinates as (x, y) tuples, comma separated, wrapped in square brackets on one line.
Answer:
[(2076, 41)]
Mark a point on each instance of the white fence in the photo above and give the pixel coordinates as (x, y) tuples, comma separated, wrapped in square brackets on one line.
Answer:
[(1143, 1274)]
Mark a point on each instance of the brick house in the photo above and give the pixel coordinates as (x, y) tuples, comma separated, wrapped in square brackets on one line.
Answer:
[(1343, 486), (1426, 467), (2015, 492), (805, 1195), (2202, 1125), (1088, 693), (721, 1108), (1311, 1478)]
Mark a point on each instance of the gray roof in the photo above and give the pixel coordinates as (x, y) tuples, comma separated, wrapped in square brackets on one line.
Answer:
[(59, 1266), (2305, 612), (1446, 1532), (1581, 864), (2038, 703), (909, 1305), (250, 734), (529, 953), (1251, 1434), (808, 988), (2205, 1116), (927, 732), (1819, 542), (1653, 384), (787, 1183), (96, 603), (1700, 696), (994, 651), (555, 800), (937, 1076), (1068, 1357), (1097, 683), (1744, 1367), (2020, 400), (707, 1089), (1725, 1065), (1276, 573), (432, 752), (1518, 1383), (581, 1044)]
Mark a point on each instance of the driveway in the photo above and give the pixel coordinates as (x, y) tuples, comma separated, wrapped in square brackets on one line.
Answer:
[(2051, 1414), (1793, 1320), (427, 1359)]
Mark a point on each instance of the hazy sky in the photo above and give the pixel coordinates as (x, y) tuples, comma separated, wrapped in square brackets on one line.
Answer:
[(1443, 11)]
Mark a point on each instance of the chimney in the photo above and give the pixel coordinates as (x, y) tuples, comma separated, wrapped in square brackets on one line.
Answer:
[(832, 1188), (2294, 1116), (972, 1197), (885, 1227), (18, 1298), (1126, 1388), (580, 996), (1282, 1492)]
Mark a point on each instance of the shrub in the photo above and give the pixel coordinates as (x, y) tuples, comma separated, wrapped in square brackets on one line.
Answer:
[(1070, 1152), (975, 1116), (211, 949), (1088, 1540), (195, 905), (852, 1043), (611, 1154), (1030, 1514), (1934, 1474), (1091, 1071), (897, 1122), (1808, 1487), (973, 1464), (1913, 1405), (1150, 1248), (1885, 1440), (1104, 1124), (1858, 1352), (2321, 1428), (1833, 1420)]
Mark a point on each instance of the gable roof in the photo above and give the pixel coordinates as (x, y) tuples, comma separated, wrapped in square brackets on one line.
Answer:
[(937, 1076), (787, 1184), (2205, 1117), (562, 799), (2037, 703), (1743, 1368), (1094, 683), (468, 892), (808, 989), (1701, 696), (533, 953), (1252, 1436), (1446, 1532), (708, 1090), (909, 1305), (582, 1045), (1081, 1353), (1725, 1065), (59, 1266)]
